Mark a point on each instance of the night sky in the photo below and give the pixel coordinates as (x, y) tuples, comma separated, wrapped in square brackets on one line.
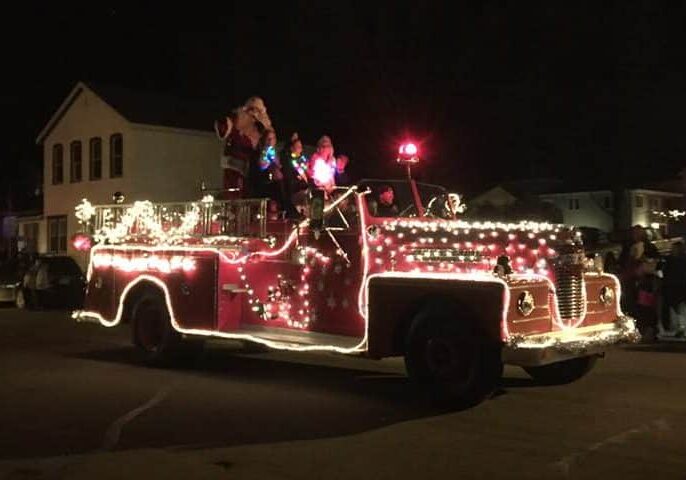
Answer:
[(497, 91)]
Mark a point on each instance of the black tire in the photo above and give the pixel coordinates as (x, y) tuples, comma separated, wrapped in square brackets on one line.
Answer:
[(446, 353), (560, 373), (157, 342)]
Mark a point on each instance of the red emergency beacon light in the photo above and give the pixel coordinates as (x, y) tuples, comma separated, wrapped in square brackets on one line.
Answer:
[(408, 153)]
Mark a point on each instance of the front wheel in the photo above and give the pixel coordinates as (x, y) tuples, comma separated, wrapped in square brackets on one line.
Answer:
[(157, 342), (445, 352), (560, 373)]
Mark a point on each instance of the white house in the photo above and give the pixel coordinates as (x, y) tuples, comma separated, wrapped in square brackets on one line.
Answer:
[(589, 209), (601, 209), (103, 140), (644, 203), (597, 208)]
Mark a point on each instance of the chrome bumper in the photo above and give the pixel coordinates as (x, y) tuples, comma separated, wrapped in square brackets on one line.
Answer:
[(534, 350)]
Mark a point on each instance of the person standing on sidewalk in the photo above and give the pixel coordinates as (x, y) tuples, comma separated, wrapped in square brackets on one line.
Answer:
[(674, 289)]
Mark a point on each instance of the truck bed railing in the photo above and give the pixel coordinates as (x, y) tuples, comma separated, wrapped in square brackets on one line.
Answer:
[(239, 218)]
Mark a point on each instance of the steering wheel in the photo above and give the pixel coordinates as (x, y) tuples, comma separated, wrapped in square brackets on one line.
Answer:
[(405, 210)]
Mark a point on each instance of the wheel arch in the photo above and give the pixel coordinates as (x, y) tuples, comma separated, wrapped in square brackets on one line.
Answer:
[(394, 302), (142, 288)]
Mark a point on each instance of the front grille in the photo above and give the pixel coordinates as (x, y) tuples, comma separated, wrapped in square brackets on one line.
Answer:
[(569, 280)]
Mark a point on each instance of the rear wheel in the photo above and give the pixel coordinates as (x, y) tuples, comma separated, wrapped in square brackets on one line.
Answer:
[(157, 342), (560, 373), (446, 354)]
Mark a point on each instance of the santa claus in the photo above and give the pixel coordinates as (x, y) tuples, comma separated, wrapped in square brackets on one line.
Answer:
[(240, 133)]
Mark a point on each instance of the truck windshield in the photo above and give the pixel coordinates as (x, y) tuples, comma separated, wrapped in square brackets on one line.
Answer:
[(403, 204)]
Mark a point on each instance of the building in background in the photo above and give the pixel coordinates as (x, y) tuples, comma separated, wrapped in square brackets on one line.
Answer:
[(103, 140), (601, 209), (608, 211)]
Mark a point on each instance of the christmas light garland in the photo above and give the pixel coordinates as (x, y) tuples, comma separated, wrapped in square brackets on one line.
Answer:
[(453, 250)]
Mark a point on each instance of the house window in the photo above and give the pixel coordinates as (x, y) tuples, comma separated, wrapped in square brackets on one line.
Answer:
[(57, 164), (116, 155), (639, 201), (95, 159), (607, 203), (574, 204), (75, 163), (31, 236), (57, 234)]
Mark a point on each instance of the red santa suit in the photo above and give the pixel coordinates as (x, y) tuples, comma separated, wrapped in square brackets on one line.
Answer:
[(241, 132)]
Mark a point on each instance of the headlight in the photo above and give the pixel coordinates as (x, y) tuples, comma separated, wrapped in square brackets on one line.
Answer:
[(525, 303), (607, 296)]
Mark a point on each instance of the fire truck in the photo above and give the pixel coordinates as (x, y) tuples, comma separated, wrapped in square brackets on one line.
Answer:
[(457, 299)]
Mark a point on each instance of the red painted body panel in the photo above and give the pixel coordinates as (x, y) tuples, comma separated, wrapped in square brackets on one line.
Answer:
[(335, 286), (307, 282), (101, 295), (230, 300), (541, 319), (191, 293), (597, 312)]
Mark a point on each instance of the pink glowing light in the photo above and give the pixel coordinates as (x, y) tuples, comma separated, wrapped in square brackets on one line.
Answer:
[(82, 242), (322, 172)]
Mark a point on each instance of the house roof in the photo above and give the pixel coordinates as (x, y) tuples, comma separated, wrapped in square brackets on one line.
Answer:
[(147, 108), (496, 192), (523, 188)]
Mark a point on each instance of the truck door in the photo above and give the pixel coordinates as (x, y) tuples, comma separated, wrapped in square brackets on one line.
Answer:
[(333, 258)]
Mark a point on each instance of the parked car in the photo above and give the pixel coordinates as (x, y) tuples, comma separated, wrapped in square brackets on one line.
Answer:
[(597, 242), (11, 274), (662, 243), (53, 281)]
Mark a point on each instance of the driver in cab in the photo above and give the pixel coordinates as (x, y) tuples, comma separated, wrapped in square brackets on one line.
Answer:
[(384, 204)]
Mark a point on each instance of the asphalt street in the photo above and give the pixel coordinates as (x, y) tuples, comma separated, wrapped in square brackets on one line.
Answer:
[(75, 389)]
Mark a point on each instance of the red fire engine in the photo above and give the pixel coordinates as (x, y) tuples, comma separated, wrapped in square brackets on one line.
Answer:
[(457, 299)]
